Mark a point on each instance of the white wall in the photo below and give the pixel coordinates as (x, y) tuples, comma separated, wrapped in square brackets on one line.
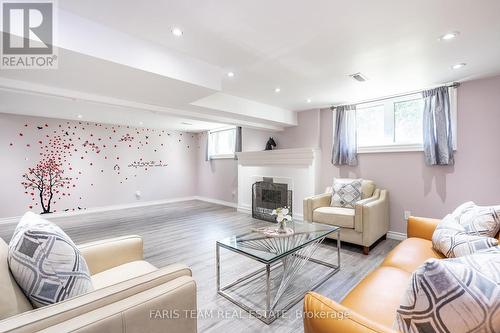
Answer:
[(96, 182)]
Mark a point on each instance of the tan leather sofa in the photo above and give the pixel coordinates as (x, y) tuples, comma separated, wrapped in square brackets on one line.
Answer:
[(371, 306), (130, 295), (363, 225)]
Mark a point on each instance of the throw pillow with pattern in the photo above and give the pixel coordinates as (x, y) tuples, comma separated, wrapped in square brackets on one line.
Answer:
[(453, 295), (45, 262), (346, 192), (468, 229)]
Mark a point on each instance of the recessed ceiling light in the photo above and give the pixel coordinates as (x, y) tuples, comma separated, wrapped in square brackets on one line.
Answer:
[(449, 35), (308, 100), (177, 32), (458, 66), (277, 90), (79, 116), (141, 123), (230, 74)]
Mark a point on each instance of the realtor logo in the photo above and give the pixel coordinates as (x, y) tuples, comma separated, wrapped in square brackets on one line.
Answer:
[(28, 35)]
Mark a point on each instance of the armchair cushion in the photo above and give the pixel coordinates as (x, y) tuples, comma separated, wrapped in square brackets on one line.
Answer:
[(338, 216)]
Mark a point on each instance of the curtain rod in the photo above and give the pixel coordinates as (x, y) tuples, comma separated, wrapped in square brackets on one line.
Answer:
[(453, 85)]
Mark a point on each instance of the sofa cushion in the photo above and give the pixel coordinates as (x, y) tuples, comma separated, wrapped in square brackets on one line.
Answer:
[(46, 263), (12, 300), (410, 254), (453, 295), (378, 296), (346, 192), (338, 216), (121, 273)]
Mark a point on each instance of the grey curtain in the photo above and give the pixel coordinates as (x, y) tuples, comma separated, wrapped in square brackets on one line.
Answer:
[(438, 141), (345, 144), (207, 157), (237, 148)]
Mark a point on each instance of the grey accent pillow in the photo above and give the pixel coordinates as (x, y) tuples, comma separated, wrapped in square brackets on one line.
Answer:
[(45, 262), (453, 240), (346, 192), (468, 229), (453, 295)]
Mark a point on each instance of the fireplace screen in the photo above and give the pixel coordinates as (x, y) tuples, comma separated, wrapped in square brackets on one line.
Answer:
[(266, 196)]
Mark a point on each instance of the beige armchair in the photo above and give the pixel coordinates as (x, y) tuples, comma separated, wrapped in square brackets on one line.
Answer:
[(363, 225), (130, 295)]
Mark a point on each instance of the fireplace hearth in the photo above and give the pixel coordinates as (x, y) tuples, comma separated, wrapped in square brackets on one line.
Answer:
[(267, 196)]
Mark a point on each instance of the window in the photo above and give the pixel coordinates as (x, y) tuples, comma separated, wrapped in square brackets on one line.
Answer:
[(392, 124), (396, 124), (222, 143)]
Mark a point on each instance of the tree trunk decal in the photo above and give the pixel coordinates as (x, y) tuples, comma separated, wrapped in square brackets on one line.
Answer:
[(47, 177)]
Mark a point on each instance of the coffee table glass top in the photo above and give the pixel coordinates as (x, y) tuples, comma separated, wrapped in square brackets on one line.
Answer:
[(268, 249)]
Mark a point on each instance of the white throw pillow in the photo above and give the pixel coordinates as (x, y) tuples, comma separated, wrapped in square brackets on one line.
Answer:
[(346, 192), (45, 262), (453, 295)]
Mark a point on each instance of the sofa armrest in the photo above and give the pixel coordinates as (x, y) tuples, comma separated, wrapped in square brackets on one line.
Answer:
[(108, 253), (322, 315), (54, 314), (311, 203), (421, 227), (170, 307)]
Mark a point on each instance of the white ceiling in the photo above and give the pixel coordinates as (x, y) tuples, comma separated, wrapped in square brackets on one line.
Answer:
[(14, 102), (308, 48), (120, 58)]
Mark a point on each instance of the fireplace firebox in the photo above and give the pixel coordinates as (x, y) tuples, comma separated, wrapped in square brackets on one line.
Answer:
[(268, 195)]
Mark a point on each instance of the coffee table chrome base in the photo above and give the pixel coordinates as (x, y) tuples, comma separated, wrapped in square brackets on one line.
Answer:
[(292, 264)]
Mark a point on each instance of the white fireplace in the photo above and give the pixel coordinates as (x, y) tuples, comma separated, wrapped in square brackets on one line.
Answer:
[(298, 167)]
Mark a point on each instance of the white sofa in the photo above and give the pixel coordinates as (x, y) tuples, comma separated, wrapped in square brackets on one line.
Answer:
[(128, 294)]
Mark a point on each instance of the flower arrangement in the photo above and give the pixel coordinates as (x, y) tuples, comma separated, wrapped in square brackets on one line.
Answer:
[(282, 216)]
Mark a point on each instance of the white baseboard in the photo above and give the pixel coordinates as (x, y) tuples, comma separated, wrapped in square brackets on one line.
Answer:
[(396, 235), (244, 209), (217, 201), (104, 208)]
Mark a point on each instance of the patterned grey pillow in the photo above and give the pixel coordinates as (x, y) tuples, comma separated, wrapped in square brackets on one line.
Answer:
[(468, 229), (45, 262), (453, 295), (478, 220), (346, 192), (453, 239)]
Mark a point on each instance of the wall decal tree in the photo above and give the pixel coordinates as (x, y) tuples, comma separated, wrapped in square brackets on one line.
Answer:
[(46, 177)]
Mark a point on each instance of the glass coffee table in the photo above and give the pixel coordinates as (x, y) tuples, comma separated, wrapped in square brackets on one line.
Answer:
[(289, 270)]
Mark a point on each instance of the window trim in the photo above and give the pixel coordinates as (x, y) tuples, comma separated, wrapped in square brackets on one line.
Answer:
[(399, 148), (221, 156)]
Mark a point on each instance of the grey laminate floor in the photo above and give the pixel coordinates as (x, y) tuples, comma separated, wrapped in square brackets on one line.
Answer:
[(186, 232)]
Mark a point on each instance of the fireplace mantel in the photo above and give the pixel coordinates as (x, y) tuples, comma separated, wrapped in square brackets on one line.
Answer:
[(298, 167), (289, 157)]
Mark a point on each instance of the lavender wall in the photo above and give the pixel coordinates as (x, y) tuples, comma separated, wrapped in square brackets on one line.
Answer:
[(218, 179), (107, 163), (435, 191)]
